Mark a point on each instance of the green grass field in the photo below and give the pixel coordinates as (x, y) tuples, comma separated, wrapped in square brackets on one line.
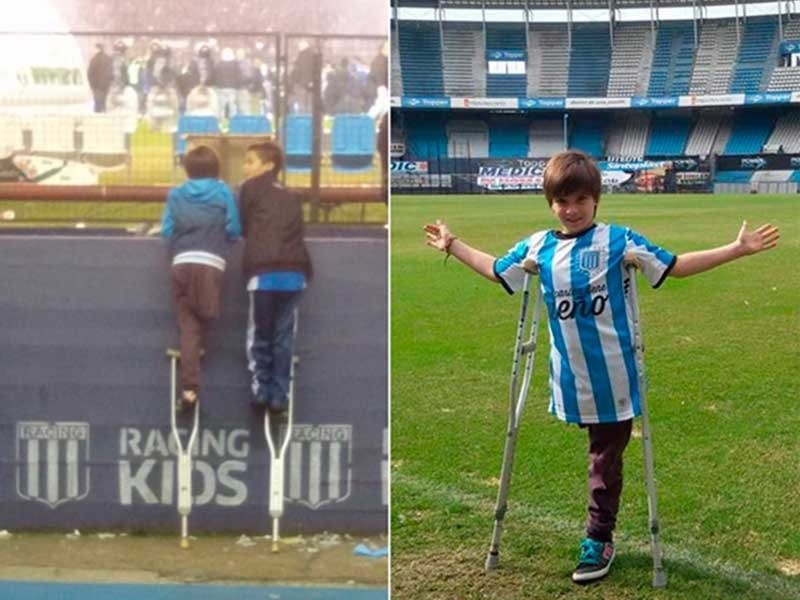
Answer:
[(722, 362)]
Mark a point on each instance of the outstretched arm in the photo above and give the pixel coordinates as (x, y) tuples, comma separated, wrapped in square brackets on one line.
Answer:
[(439, 236), (746, 243)]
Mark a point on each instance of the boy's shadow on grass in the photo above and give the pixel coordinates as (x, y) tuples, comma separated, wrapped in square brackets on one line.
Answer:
[(683, 576)]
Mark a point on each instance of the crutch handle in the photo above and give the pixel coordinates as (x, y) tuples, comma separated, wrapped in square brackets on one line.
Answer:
[(631, 260), (529, 265)]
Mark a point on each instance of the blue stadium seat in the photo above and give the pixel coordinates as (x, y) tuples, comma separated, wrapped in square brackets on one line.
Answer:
[(506, 36), (750, 131), (353, 142), (673, 57), (668, 135), (508, 138), (795, 177), (590, 60), (249, 124), (753, 57), (733, 176), (588, 135), (426, 135), (298, 143), (419, 44), (191, 124)]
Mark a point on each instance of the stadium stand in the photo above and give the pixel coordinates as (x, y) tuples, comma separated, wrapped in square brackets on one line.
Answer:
[(104, 136), (786, 78), (545, 137), (426, 136), (249, 124), (188, 124), (467, 138), (627, 135), (506, 36), (668, 135), (750, 131), (631, 58), (548, 60), (716, 53), (786, 134), (420, 58), (673, 56), (397, 73), (508, 137), (757, 55), (12, 134), (297, 143), (590, 58), (723, 134), (703, 134), (463, 59), (588, 134), (353, 142), (53, 135)]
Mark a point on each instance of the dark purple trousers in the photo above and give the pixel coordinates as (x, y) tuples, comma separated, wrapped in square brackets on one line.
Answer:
[(607, 442)]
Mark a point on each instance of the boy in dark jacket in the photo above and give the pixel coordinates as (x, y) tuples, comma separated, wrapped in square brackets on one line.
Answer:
[(277, 266), (200, 218)]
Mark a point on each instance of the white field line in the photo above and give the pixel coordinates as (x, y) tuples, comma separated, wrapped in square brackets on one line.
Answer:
[(774, 587)]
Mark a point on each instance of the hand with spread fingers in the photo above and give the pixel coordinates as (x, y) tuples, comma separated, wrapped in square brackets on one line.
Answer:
[(764, 238), (438, 235)]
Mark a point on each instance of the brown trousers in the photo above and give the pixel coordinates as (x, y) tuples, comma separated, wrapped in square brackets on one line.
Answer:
[(197, 289), (607, 442)]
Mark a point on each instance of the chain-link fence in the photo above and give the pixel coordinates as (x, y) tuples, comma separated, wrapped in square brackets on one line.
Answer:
[(120, 109)]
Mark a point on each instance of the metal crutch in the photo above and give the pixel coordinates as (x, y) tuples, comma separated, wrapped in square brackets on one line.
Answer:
[(659, 575), (516, 404), (184, 454), (277, 466)]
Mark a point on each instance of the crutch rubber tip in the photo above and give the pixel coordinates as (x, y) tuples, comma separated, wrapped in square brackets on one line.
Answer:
[(659, 579), (274, 546), (492, 561), (184, 543)]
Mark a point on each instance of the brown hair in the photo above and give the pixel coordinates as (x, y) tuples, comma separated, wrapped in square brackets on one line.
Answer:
[(571, 172), (268, 152), (201, 162)]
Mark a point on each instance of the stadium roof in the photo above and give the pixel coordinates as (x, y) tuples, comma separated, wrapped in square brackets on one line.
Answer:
[(562, 4)]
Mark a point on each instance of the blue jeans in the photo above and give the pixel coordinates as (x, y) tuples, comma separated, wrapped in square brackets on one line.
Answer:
[(270, 345)]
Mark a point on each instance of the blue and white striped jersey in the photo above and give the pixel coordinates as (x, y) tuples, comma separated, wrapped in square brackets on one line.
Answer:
[(585, 289)]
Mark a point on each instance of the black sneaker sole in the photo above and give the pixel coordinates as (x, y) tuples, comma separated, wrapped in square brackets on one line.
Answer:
[(591, 576)]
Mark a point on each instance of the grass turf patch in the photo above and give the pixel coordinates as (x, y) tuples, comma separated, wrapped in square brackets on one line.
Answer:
[(722, 365)]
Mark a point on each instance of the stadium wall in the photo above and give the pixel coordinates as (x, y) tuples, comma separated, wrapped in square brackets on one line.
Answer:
[(84, 393)]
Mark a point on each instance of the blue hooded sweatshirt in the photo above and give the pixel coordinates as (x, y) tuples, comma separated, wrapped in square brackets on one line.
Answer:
[(199, 220)]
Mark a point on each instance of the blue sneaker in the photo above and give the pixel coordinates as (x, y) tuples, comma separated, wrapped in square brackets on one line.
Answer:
[(594, 562)]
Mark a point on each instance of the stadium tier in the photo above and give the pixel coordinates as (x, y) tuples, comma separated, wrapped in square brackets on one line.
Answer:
[(696, 103)]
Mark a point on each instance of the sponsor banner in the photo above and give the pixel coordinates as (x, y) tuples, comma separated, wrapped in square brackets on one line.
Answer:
[(789, 47), (718, 100), (693, 180), (580, 103), (542, 103), (654, 102), (511, 175), (424, 102), (85, 440), (488, 103), (506, 55), (406, 180), (753, 163), (633, 165), (397, 149), (407, 166), (768, 98), (763, 162), (615, 178)]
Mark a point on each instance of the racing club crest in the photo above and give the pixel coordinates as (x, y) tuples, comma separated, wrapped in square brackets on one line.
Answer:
[(319, 465), (52, 461)]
